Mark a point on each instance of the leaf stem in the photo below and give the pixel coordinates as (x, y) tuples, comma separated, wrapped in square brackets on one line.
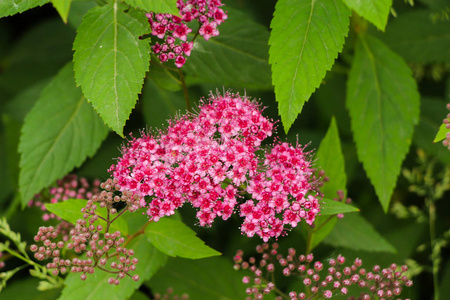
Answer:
[(185, 90)]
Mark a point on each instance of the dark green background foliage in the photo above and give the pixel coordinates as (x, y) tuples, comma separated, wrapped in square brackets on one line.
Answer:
[(364, 82)]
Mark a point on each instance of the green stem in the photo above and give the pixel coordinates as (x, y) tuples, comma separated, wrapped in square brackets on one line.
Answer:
[(185, 90), (434, 256)]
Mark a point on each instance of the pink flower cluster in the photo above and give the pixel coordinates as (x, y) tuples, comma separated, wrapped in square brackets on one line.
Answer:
[(170, 28), (210, 159), (70, 187), (446, 121)]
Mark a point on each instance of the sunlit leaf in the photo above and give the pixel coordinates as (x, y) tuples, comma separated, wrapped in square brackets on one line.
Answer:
[(70, 210), (12, 7), (63, 7), (157, 6), (111, 60), (376, 11), (174, 238), (305, 40), (331, 207)]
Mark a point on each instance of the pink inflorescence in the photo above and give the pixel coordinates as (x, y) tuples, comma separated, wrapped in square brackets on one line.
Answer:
[(70, 187), (173, 30), (209, 159), (446, 121)]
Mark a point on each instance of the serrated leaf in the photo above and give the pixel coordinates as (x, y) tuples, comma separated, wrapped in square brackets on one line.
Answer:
[(305, 40), (157, 6), (432, 112), (331, 207), (12, 7), (375, 11), (96, 285), (237, 58), (59, 133), (354, 232), (331, 160), (111, 60), (418, 38), (70, 210), (63, 7), (383, 102), (443, 130), (164, 78), (174, 238), (203, 279)]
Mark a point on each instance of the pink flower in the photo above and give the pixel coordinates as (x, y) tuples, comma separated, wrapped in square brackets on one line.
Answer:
[(173, 29), (205, 159), (208, 30)]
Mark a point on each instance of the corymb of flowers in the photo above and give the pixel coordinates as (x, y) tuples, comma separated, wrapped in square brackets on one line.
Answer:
[(215, 161), (173, 30)]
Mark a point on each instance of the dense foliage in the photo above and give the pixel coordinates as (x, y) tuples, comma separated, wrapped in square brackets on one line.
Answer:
[(149, 145)]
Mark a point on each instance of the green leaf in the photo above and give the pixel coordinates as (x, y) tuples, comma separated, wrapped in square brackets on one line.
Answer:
[(375, 11), (354, 232), (174, 238), (443, 130), (12, 7), (59, 133), (111, 60), (63, 7), (157, 6), (383, 102), (203, 279), (331, 160), (305, 40), (418, 38), (331, 207), (159, 105), (70, 210), (77, 11), (432, 111), (96, 285), (237, 58), (164, 78)]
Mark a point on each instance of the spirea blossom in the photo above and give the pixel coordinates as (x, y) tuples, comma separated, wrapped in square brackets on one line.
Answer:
[(210, 159), (173, 30), (446, 121)]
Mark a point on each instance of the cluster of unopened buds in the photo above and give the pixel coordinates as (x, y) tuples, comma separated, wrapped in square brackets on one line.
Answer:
[(169, 295), (446, 121), (70, 187), (318, 280), (173, 30), (103, 250), (210, 160)]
